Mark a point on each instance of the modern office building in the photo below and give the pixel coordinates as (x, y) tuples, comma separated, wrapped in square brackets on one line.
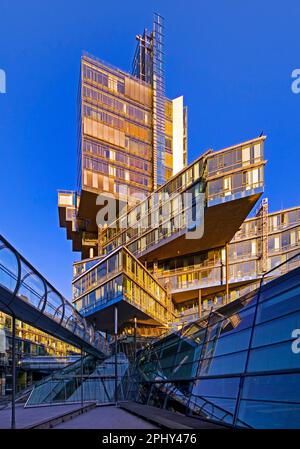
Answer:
[(31, 343), (188, 297), (185, 277), (131, 138), (163, 227)]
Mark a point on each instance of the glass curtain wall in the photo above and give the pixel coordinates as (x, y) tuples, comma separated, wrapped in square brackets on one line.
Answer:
[(237, 366)]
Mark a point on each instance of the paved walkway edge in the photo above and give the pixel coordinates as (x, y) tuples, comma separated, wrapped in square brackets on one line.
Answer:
[(63, 417)]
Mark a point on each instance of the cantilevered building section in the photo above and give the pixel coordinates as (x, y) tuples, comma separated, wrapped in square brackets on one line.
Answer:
[(199, 279), (131, 138), (138, 249), (230, 181), (120, 279)]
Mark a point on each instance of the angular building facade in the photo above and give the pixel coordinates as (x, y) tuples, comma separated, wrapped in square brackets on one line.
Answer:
[(186, 297), (181, 243)]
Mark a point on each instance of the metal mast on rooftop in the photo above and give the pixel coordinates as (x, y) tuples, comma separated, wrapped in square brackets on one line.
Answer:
[(158, 101), (148, 65)]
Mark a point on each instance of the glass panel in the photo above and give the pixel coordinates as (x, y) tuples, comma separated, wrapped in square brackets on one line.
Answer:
[(279, 387), (276, 330), (32, 288), (229, 364), (232, 343), (226, 387), (54, 305), (8, 268), (275, 357), (269, 415), (279, 305)]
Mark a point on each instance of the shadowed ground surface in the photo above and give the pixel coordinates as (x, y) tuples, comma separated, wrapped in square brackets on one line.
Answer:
[(29, 416), (106, 418)]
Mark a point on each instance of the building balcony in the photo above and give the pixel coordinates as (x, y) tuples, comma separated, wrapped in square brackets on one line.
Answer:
[(120, 279), (67, 204), (84, 265)]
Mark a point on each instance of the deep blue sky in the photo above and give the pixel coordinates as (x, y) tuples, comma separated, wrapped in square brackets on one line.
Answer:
[(232, 60)]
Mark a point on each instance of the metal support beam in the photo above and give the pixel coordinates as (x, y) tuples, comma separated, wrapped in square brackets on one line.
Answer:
[(81, 375), (116, 355), (200, 303), (227, 273), (14, 374), (134, 344)]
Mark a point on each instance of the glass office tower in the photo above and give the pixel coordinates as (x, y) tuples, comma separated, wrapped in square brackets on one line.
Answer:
[(131, 138)]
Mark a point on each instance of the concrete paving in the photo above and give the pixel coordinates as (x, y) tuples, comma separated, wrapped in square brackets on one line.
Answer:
[(29, 416), (106, 417)]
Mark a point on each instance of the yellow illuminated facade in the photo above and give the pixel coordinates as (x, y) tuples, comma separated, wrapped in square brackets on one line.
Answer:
[(116, 138), (31, 342), (42, 343)]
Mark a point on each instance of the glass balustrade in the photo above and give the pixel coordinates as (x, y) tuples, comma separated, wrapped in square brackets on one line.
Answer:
[(89, 380)]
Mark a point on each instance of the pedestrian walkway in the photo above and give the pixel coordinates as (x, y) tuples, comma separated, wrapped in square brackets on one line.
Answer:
[(28, 417), (106, 417)]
